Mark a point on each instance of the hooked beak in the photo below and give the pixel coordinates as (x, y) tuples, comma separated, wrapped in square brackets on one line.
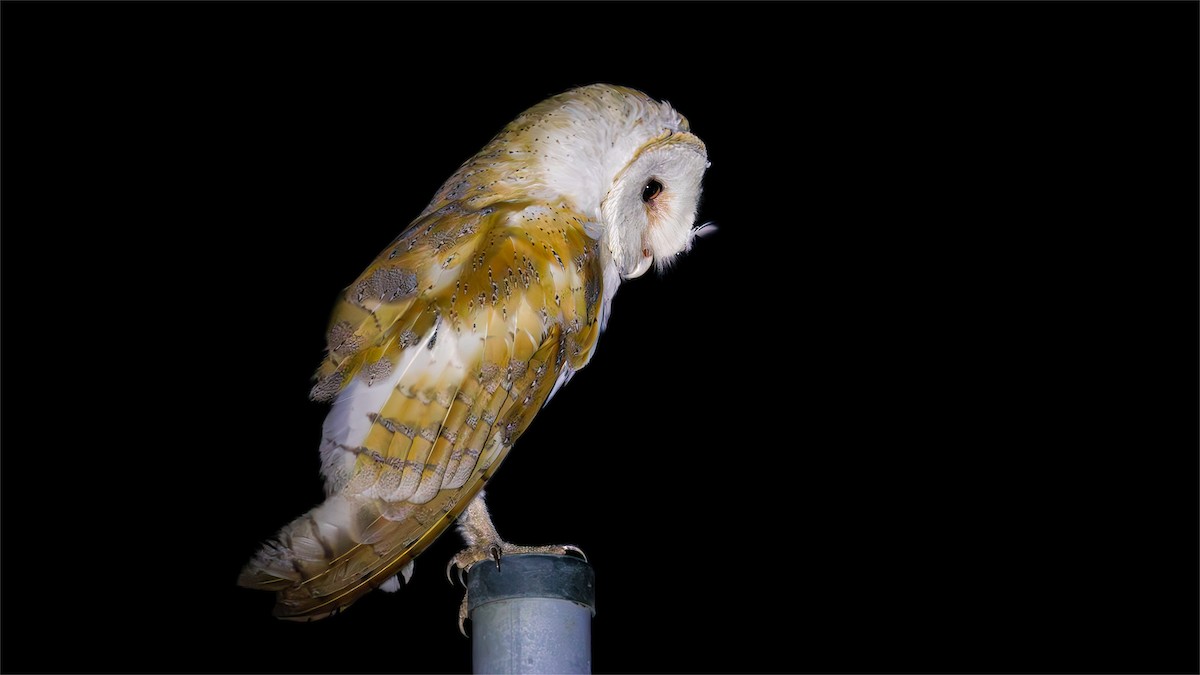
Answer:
[(642, 266)]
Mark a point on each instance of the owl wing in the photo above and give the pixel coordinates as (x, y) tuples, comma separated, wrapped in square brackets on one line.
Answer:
[(439, 356)]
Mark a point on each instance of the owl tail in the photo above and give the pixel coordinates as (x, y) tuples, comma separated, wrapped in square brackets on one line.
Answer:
[(323, 561)]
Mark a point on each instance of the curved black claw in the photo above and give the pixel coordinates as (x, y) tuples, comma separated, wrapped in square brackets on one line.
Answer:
[(575, 549), (452, 564), (496, 553)]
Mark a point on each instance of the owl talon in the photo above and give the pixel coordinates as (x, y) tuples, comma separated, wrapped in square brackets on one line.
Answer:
[(453, 564), (462, 617)]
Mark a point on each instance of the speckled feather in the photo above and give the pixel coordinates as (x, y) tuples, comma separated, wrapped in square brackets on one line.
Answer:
[(447, 345)]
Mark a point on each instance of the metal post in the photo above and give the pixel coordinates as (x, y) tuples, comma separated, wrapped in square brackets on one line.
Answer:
[(532, 615)]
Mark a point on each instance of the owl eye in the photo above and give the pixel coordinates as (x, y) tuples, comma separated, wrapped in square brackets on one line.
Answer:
[(652, 190)]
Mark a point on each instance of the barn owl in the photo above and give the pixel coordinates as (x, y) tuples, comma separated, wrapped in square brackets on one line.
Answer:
[(447, 345)]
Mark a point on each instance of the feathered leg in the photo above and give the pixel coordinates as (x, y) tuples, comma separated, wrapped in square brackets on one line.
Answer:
[(484, 543)]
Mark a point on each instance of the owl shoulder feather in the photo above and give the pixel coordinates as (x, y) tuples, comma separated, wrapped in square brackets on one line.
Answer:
[(520, 264)]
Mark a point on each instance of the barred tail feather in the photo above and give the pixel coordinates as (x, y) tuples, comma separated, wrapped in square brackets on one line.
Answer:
[(324, 560)]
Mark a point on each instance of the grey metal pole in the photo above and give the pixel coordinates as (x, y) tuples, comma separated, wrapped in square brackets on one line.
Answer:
[(532, 615)]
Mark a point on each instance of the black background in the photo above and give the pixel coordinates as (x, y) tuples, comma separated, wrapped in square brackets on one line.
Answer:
[(925, 402)]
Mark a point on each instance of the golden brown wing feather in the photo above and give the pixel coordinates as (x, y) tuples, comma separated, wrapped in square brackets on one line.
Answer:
[(516, 289)]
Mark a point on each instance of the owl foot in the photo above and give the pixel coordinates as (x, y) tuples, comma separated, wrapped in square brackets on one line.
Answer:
[(483, 543), (495, 551)]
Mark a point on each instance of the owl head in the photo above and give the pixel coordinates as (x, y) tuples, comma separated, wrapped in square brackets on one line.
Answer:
[(650, 207), (624, 160), (649, 166)]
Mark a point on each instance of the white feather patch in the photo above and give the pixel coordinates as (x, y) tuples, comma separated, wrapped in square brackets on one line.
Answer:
[(351, 418), (394, 582)]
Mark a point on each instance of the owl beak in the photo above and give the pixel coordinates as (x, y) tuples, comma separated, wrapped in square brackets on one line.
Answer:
[(642, 266)]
